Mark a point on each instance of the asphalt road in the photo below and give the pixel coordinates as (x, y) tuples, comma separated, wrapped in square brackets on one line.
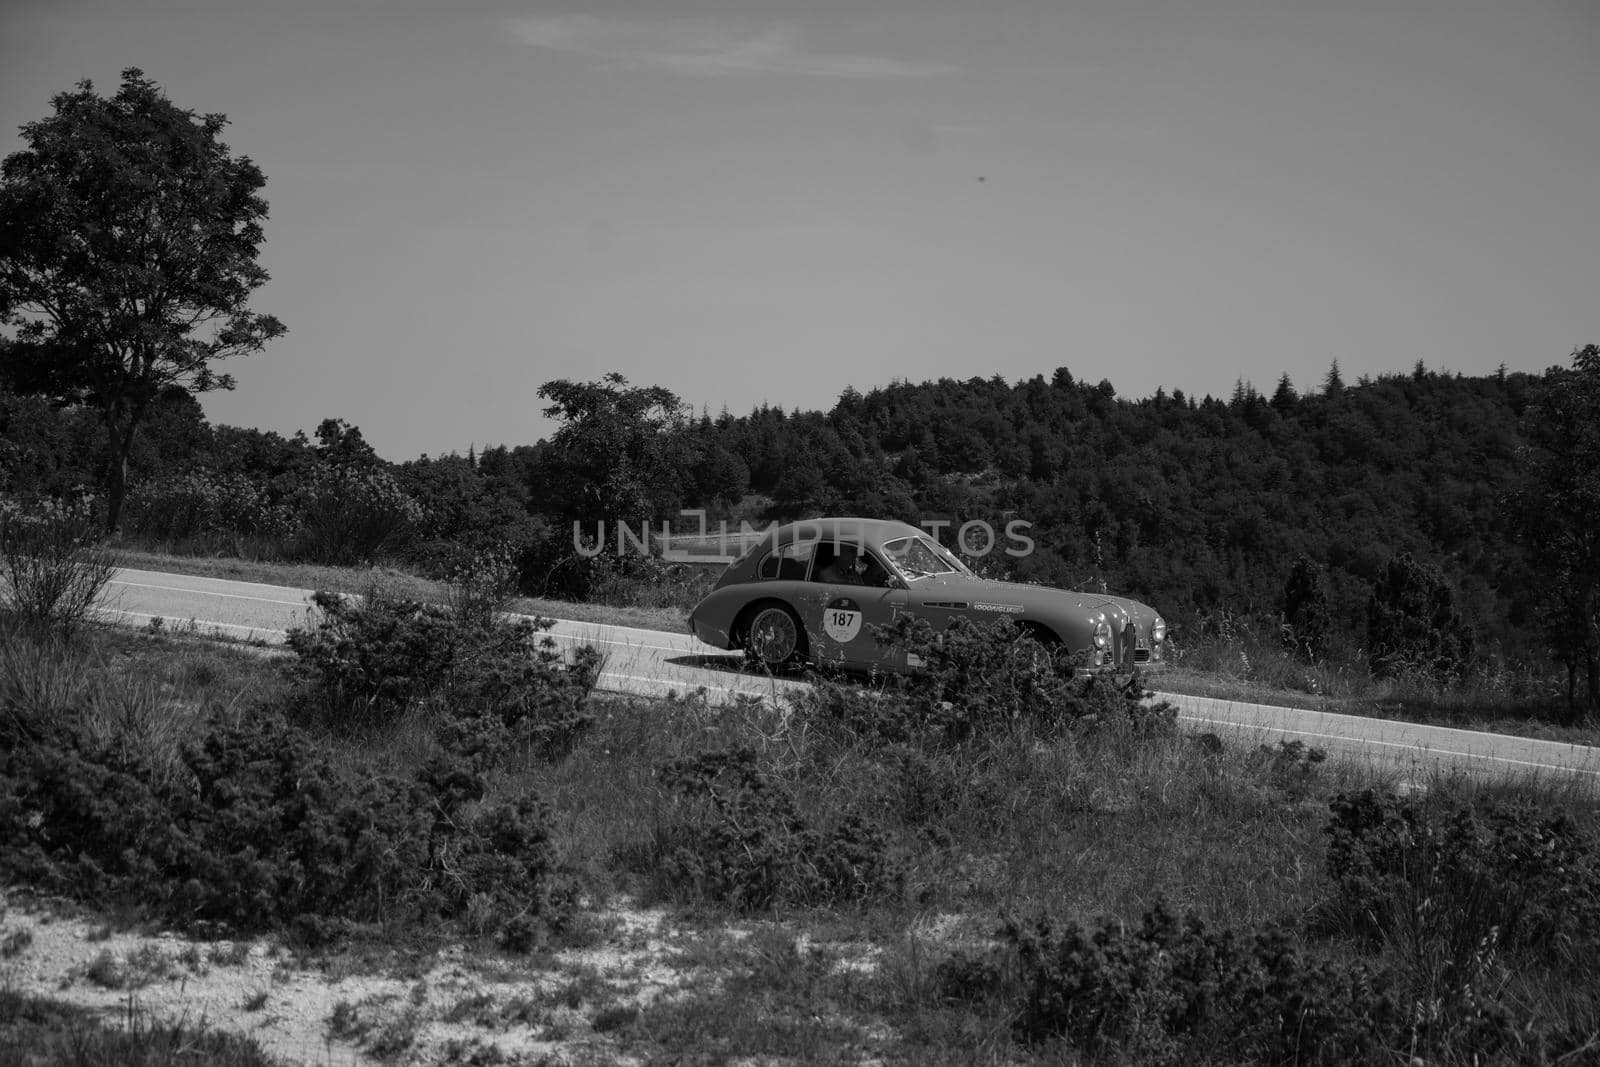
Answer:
[(654, 663)]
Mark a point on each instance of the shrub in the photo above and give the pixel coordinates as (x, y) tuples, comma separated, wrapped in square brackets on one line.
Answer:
[(744, 842), (1306, 621), (1290, 766), (204, 502), (53, 563), (486, 685), (1462, 897), (1413, 624), (350, 514), (1462, 876), (262, 831), (549, 565), (480, 584), (978, 680), (1171, 990)]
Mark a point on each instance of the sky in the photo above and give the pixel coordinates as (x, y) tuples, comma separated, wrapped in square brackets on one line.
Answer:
[(758, 202)]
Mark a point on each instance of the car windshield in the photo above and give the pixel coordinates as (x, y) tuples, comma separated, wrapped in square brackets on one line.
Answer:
[(918, 557)]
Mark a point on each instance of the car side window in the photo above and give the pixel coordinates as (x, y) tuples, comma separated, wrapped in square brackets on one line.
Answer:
[(790, 563), (843, 563)]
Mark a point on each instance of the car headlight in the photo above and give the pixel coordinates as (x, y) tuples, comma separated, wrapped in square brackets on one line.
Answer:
[(1158, 632), (1102, 632)]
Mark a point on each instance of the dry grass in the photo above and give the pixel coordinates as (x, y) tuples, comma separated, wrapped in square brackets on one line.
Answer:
[(39, 1030), (1074, 825)]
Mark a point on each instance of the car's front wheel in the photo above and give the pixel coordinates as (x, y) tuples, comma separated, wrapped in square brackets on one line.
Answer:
[(774, 637)]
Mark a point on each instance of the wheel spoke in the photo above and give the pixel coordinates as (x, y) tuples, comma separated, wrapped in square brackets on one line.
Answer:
[(773, 637)]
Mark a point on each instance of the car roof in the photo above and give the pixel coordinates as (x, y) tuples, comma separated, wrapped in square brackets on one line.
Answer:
[(867, 531)]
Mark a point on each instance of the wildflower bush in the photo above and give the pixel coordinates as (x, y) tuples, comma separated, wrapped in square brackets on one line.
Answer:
[(480, 584), (350, 514), (54, 563), (203, 502), (738, 838), (261, 830), (488, 686)]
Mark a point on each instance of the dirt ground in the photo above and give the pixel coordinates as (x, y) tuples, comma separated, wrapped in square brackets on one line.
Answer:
[(454, 1007)]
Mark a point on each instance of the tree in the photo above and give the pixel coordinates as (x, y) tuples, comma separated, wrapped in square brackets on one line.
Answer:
[(1556, 514), (1285, 398), (342, 445), (1333, 381), (128, 242), (612, 459), (1413, 624), (1305, 611)]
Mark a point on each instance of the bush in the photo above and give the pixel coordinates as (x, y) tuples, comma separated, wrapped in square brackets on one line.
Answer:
[(486, 685), (1171, 990), (976, 681), (260, 831), (1306, 622), (1413, 625), (1463, 897), (1290, 766), (1462, 878), (53, 563), (745, 844), (550, 566), (204, 502), (350, 514), (480, 584)]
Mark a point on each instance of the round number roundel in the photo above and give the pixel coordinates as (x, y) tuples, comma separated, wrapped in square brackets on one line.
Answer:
[(841, 619)]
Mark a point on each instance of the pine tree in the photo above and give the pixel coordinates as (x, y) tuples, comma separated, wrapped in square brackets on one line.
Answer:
[(1305, 611)]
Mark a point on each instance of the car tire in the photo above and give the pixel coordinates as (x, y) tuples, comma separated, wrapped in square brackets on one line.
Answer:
[(774, 637)]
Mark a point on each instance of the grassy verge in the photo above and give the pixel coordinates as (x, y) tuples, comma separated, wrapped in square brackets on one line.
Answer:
[(40, 1030), (1488, 700), (935, 878)]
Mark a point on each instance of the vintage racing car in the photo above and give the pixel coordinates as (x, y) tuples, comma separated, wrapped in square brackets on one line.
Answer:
[(813, 591)]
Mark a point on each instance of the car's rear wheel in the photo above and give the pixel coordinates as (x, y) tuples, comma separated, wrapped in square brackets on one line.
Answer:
[(774, 637)]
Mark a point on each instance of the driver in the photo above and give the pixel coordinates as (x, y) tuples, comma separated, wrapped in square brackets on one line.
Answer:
[(842, 569)]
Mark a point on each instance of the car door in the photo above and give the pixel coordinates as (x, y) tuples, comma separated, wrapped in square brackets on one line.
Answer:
[(841, 615)]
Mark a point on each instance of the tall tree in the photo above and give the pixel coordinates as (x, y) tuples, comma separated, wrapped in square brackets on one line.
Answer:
[(128, 242), (614, 455), (1556, 513)]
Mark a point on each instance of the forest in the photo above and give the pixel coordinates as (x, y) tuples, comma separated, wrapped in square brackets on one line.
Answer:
[(1466, 503)]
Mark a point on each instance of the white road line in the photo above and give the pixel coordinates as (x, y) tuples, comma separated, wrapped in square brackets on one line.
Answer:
[(207, 578), (210, 593), (1421, 750), (199, 624), (1355, 721), (608, 641)]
